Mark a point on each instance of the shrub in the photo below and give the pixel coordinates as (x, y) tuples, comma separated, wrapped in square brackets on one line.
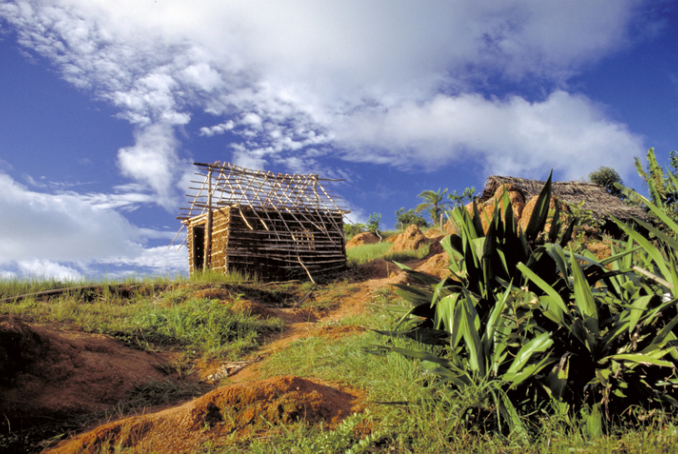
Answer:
[(407, 218)]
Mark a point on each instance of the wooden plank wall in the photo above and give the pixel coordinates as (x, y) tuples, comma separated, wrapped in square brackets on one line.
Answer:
[(274, 254), (220, 234)]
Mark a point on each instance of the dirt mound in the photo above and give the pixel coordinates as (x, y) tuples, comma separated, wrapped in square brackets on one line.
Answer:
[(529, 209), (600, 249), (410, 240), (448, 228), (362, 238), (45, 373), (238, 409), (433, 233), (515, 196), (436, 265)]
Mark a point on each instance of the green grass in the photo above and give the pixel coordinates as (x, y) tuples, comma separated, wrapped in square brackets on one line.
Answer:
[(368, 252), (408, 414), (406, 411), (159, 314)]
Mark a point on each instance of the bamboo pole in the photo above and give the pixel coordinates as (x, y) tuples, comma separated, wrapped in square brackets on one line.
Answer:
[(208, 232)]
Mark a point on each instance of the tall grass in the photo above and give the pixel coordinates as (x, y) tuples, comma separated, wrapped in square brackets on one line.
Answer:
[(368, 252), (155, 313)]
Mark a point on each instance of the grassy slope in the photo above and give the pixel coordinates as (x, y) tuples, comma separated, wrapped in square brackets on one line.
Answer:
[(406, 411)]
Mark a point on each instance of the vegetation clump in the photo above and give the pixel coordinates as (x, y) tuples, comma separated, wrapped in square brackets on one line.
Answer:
[(527, 328)]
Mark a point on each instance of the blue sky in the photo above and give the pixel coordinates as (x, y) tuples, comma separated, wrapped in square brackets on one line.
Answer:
[(105, 105)]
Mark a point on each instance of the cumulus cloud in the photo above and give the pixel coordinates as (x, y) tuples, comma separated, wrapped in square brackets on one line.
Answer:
[(153, 161), (159, 260), (510, 136), (62, 235), (58, 227), (282, 76), (45, 269)]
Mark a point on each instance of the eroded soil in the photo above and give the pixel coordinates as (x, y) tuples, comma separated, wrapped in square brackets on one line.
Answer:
[(60, 376)]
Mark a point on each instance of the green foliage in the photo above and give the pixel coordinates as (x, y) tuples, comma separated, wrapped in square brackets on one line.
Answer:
[(407, 218), (460, 200), (434, 204), (609, 179), (661, 182), (207, 325), (367, 252), (530, 328), (372, 224), (351, 230)]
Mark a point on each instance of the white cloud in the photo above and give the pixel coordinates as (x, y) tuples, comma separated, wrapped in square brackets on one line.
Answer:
[(45, 269), (159, 260), (511, 136), (8, 275), (217, 129), (58, 227), (286, 72), (65, 235), (153, 161)]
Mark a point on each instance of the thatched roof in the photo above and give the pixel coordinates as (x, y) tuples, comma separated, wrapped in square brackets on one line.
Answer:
[(595, 198)]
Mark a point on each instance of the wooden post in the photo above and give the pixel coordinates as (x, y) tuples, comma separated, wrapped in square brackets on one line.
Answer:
[(208, 228)]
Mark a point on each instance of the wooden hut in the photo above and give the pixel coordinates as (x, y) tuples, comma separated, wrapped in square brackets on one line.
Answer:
[(596, 199), (272, 225)]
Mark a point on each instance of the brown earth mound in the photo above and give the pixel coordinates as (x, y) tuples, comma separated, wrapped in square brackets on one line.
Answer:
[(48, 374), (410, 240), (362, 238), (238, 409), (433, 233), (601, 250), (517, 200), (436, 265), (529, 209)]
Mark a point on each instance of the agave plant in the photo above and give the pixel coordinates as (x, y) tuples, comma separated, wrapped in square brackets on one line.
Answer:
[(522, 324)]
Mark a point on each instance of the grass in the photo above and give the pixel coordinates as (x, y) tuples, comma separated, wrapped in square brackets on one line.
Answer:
[(407, 414), (155, 314), (366, 253), (406, 411)]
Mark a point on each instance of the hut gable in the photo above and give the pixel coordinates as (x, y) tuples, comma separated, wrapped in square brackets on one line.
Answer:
[(595, 198), (277, 226)]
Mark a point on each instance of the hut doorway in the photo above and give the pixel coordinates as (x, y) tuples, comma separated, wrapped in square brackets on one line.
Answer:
[(198, 247)]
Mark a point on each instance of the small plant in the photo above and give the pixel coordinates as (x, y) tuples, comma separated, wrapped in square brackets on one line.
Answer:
[(459, 200), (373, 224)]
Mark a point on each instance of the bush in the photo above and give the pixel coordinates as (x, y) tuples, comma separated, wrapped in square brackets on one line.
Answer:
[(407, 218)]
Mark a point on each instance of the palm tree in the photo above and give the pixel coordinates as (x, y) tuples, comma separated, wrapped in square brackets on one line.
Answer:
[(434, 203)]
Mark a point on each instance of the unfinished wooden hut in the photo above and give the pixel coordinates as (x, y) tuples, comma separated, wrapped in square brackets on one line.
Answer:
[(274, 226), (596, 199)]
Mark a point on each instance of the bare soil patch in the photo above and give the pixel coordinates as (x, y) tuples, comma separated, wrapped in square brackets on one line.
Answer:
[(235, 410)]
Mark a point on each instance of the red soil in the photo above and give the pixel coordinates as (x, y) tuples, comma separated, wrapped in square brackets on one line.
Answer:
[(236, 410)]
